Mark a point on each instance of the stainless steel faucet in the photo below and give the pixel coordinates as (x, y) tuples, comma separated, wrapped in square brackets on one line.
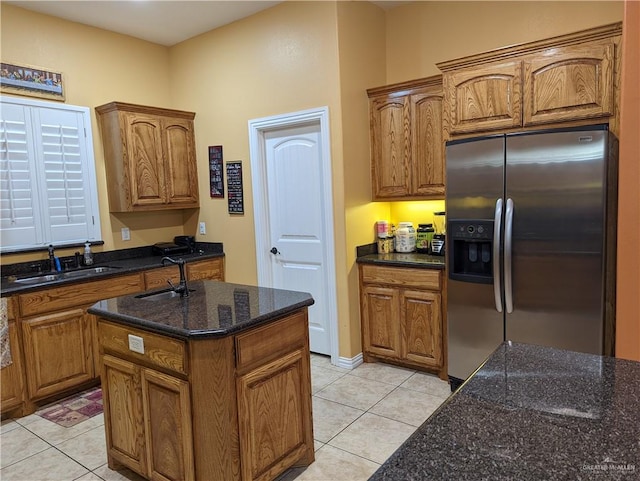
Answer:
[(52, 259), (181, 288)]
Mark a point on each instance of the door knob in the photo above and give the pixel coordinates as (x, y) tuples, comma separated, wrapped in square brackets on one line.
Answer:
[(274, 251)]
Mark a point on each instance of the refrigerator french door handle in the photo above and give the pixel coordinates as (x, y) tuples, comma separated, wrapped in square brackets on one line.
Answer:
[(508, 243), (497, 225)]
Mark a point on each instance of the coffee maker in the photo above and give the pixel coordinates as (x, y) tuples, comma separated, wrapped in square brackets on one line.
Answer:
[(438, 243)]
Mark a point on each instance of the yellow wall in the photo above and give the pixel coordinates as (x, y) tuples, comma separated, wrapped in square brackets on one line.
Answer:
[(281, 60), (294, 56), (421, 34), (361, 42), (97, 67)]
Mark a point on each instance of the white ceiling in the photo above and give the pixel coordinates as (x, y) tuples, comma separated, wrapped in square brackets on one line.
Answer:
[(165, 22)]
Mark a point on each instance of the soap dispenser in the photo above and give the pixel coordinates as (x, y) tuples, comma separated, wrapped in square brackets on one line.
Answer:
[(88, 255)]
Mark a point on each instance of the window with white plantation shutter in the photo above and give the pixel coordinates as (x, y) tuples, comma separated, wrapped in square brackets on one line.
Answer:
[(47, 175)]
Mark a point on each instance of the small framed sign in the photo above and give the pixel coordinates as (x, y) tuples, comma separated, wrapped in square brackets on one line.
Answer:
[(216, 172), (235, 193)]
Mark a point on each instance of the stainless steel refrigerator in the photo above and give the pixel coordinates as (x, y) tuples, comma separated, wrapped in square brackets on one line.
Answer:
[(528, 255)]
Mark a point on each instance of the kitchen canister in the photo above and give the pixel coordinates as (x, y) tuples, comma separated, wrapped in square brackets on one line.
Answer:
[(405, 237), (424, 236), (382, 229)]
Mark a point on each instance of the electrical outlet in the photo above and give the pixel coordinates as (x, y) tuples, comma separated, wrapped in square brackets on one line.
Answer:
[(126, 234), (136, 344), (203, 228)]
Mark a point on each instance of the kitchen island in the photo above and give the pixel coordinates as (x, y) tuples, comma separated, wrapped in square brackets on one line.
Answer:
[(531, 413), (215, 385)]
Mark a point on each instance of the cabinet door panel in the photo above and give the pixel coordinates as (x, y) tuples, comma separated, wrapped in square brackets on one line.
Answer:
[(485, 97), (167, 413), (574, 83), (421, 329), (381, 320), (58, 353), (182, 182), (146, 164), (390, 146), (123, 413), (427, 145), (274, 410)]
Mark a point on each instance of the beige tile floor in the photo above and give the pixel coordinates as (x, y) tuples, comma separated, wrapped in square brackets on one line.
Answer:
[(360, 417)]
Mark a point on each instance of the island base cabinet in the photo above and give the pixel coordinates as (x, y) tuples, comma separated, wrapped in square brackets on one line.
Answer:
[(123, 414), (147, 421), (275, 417), (167, 417), (11, 376)]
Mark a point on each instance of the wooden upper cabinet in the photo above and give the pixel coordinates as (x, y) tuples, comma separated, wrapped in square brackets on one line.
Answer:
[(570, 78), (427, 147), (407, 150), (484, 97), (390, 147), (149, 156), (569, 83)]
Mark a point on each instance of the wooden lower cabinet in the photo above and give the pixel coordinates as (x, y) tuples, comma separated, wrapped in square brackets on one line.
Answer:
[(147, 420), (58, 352), (232, 408), (401, 315), (274, 417)]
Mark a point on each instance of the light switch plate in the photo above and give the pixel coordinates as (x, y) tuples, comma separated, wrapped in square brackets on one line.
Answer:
[(126, 234), (136, 344)]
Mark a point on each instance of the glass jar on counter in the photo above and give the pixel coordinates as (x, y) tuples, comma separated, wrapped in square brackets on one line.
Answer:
[(405, 237)]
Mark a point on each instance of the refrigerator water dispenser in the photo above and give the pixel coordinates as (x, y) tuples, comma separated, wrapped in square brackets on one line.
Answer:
[(470, 256)]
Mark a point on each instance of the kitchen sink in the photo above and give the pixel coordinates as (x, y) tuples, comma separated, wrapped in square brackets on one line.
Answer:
[(87, 272), (37, 279), (159, 295), (44, 278)]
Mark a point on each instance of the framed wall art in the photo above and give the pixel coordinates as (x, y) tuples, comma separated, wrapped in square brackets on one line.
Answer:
[(31, 81), (216, 172), (235, 193)]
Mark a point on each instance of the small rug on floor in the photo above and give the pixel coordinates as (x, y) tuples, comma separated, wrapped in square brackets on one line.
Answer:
[(74, 409)]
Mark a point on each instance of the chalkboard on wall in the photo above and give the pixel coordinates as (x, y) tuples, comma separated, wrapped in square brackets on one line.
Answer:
[(216, 173), (235, 194)]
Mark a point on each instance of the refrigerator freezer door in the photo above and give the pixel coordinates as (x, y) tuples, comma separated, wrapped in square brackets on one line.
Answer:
[(557, 183), (475, 181)]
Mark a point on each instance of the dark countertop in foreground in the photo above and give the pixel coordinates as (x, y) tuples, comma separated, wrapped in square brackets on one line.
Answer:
[(125, 261), (213, 309), (368, 254), (531, 413)]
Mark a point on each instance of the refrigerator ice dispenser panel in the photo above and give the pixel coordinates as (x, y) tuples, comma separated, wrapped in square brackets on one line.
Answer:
[(471, 254)]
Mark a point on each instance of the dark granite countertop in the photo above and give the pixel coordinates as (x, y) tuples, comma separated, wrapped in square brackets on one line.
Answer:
[(422, 261), (124, 261), (368, 254), (213, 309), (531, 413)]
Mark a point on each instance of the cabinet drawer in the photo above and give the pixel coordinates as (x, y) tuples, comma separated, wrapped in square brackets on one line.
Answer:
[(157, 278), (50, 300), (284, 336), (401, 276), (159, 351), (212, 269)]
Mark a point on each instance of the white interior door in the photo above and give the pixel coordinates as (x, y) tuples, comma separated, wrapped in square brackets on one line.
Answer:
[(293, 228)]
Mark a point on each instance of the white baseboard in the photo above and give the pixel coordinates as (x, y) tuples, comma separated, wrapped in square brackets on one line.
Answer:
[(350, 362)]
